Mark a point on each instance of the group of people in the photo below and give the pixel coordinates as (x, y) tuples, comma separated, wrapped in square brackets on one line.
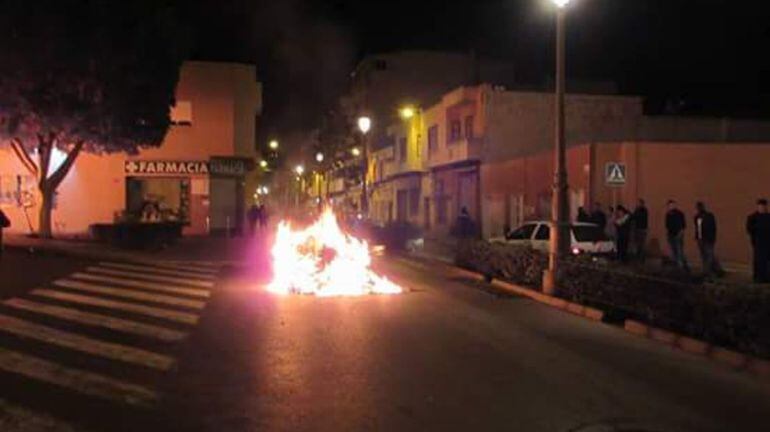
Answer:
[(630, 228), (257, 217)]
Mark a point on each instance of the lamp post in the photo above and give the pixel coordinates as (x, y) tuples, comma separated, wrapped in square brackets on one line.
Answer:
[(559, 217), (364, 125)]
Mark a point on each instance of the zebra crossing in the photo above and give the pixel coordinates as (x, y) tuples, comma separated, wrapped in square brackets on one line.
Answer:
[(100, 330)]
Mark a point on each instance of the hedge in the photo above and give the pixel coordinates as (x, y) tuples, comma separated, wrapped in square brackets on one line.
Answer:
[(729, 315)]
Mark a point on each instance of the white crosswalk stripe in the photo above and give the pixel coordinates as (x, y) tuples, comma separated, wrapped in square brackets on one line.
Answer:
[(98, 320), (80, 381), (174, 294), (84, 344), (143, 275), (152, 286), (22, 419), (194, 267), (130, 294), (158, 270), (170, 315)]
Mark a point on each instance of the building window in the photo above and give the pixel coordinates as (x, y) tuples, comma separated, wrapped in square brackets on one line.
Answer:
[(402, 149), (469, 127), (432, 140), (181, 113), (455, 131)]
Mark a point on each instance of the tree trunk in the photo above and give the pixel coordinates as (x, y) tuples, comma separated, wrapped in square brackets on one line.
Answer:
[(46, 206)]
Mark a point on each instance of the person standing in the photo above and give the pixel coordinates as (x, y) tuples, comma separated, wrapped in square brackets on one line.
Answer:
[(758, 227), (640, 219), (675, 226), (4, 223), (622, 221), (598, 217), (254, 216), (706, 237), (583, 216)]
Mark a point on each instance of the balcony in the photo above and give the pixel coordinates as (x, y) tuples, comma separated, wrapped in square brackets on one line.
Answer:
[(457, 151)]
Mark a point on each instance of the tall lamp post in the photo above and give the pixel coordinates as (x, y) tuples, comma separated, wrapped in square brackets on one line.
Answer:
[(364, 124), (559, 218)]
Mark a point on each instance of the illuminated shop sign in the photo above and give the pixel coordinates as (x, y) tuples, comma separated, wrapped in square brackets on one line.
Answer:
[(166, 167)]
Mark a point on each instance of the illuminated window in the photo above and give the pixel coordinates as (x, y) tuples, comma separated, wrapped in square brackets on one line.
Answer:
[(181, 113)]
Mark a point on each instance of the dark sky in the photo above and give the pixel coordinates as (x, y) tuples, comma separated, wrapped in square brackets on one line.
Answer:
[(715, 54)]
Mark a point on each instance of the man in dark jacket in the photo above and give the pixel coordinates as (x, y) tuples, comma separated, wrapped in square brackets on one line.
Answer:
[(706, 237), (758, 227), (598, 217), (4, 223), (640, 219), (675, 225)]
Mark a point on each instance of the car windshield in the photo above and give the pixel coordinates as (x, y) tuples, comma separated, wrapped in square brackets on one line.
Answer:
[(589, 233)]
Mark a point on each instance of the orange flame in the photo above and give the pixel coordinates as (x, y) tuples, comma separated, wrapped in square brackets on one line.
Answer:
[(324, 261)]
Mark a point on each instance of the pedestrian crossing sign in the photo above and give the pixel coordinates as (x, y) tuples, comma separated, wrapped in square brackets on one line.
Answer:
[(615, 174)]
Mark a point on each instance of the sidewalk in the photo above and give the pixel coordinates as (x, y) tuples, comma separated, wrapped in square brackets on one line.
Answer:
[(201, 250)]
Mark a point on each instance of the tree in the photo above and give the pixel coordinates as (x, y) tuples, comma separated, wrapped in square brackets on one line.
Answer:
[(85, 76)]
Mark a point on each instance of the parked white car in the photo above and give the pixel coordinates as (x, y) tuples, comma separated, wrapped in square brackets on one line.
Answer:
[(585, 238)]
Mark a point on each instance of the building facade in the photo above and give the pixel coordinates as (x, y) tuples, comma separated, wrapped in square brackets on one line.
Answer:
[(202, 174)]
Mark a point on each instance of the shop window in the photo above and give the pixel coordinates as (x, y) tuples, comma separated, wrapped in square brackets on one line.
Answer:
[(181, 113), (469, 127), (402, 149), (455, 131), (432, 140)]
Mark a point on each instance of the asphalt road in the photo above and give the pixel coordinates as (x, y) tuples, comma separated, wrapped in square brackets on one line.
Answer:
[(446, 356), (188, 347)]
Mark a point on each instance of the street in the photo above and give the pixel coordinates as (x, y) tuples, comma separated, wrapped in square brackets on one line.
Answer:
[(174, 346)]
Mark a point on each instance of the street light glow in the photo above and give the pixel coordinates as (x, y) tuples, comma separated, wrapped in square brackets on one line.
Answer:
[(299, 170), (364, 124), (319, 157), (273, 145), (560, 3), (263, 163), (355, 151), (407, 112)]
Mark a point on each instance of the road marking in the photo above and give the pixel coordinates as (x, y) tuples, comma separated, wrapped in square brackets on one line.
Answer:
[(152, 286), (80, 381), (130, 294), (131, 274), (176, 316), (195, 267), (19, 418), (158, 270), (84, 344), (98, 320)]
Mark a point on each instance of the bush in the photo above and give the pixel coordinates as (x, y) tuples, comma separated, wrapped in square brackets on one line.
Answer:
[(521, 265)]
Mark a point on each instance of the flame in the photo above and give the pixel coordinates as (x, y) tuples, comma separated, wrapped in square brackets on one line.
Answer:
[(324, 261)]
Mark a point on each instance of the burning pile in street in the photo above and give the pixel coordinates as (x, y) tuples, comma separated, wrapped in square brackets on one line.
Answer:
[(324, 261)]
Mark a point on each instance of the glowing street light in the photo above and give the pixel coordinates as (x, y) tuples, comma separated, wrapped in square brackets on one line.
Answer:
[(273, 144), (364, 124), (355, 151), (263, 164), (319, 157), (561, 3), (407, 112), (299, 169)]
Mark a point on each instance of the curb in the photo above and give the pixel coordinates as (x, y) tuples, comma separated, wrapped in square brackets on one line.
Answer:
[(730, 358), (555, 302)]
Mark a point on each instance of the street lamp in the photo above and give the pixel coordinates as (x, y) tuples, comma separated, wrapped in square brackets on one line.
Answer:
[(559, 220), (299, 169), (319, 157), (407, 112), (263, 164), (273, 144), (364, 124), (355, 151)]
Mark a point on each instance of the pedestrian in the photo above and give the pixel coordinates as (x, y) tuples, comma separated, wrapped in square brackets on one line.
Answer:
[(706, 237), (640, 219), (465, 227), (253, 216), (610, 228), (598, 217), (622, 222), (675, 226), (4, 223), (264, 217), (583, 216), (758, 227)]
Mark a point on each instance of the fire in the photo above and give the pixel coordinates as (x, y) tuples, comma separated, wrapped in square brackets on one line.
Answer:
[(324, 261)]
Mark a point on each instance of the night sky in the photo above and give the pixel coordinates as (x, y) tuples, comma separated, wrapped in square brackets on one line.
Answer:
[(714, 55)]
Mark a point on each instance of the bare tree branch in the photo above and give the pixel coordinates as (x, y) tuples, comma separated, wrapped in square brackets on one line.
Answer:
[(24, 156), (44, 150)]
